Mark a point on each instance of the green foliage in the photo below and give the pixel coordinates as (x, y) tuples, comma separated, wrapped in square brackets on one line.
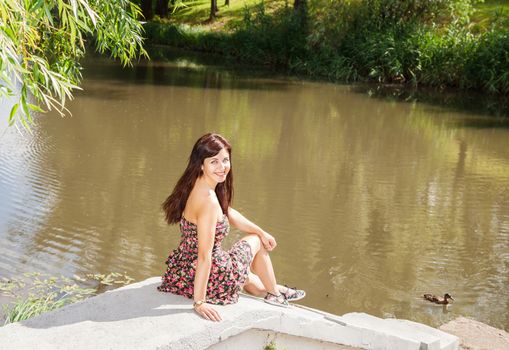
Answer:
[(269, 39), (272, 40), (420, 42), (272, 346), (43, 293), (429, 42), (187, 37), (36, 293), (488, 66), (43, 40)]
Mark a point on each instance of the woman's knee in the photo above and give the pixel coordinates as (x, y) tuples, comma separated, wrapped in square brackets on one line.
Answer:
[(255, 243)]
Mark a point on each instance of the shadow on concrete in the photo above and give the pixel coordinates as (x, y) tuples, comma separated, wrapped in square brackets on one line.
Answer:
[(117, 305)]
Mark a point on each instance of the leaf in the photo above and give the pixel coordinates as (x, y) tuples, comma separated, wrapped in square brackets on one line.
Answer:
[(78, 278), (35, 108), (14, 109)]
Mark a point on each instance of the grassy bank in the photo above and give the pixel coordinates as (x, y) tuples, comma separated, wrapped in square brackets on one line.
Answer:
[(36, 293), (434, 43)]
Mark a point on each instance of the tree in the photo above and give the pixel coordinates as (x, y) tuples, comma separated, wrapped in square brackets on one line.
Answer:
[(146, 8), (213, 9), (42, 41), (162, 8), (299, 5)]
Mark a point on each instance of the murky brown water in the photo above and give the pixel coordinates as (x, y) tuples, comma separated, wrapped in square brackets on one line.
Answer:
[(373, 202)]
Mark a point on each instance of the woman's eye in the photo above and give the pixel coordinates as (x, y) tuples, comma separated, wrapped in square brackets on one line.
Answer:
[(213, 162), (226, 160)]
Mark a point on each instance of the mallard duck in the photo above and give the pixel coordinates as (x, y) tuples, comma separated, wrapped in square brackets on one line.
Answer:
[(437, 300)]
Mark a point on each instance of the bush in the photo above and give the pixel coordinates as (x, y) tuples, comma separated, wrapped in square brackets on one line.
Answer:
[(269, 39), (388, 41)]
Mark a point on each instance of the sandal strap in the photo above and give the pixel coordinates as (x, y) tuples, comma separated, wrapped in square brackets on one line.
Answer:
[(280, 299), (285, 293), (292, 293)]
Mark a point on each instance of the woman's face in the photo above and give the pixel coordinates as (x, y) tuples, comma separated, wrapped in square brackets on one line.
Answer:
[(217, 167)]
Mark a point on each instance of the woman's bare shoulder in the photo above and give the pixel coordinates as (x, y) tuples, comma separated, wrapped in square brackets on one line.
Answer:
[(201, 204)]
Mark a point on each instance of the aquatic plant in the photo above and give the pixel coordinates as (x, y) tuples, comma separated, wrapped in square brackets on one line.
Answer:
[(37, 293)]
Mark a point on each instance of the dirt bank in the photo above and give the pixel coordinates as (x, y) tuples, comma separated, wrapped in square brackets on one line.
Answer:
[(476, 335)]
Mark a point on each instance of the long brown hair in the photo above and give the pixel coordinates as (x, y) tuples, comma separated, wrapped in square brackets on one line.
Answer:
[(207, 146)]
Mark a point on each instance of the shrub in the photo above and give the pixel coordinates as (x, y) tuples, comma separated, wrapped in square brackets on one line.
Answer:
[(388, 41)]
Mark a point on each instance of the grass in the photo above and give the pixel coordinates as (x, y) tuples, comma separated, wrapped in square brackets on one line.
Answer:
[(491, 10), (197, 13), (36, 293)]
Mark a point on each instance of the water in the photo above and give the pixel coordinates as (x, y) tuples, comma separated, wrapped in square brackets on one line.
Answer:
[(373, 200)]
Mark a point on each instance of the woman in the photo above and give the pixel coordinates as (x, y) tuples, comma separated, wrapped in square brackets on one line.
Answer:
[(199, 268)]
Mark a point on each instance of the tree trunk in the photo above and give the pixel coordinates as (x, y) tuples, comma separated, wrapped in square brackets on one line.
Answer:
[(226, 2), (213, 9), (300, 9), (146, 9), (162, 8), (296, 5), (300, 5)]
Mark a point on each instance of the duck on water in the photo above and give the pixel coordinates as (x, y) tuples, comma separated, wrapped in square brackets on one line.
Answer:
[(438, 300)]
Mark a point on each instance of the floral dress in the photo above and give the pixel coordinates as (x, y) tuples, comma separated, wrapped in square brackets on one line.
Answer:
[(228, 271)]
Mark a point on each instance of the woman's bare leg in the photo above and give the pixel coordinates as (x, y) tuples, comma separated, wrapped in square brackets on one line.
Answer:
[(254, 286), (262, 265)]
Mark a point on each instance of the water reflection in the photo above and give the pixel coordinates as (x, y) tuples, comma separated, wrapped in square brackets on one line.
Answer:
[(373, 201)]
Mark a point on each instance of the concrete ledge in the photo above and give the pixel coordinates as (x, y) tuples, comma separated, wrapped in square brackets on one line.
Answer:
[(139, 317)]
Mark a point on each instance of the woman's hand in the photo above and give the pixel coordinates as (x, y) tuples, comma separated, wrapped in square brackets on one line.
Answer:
[(268, 241), (207, 312)]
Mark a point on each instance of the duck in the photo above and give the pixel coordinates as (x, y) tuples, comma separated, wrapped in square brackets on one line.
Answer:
[(437, 300)]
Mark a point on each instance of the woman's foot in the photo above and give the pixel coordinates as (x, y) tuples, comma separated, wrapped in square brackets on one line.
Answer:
[(292, 293), (277, 300)]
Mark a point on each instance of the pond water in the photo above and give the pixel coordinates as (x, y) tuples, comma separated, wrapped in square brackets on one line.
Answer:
[(373, 200)]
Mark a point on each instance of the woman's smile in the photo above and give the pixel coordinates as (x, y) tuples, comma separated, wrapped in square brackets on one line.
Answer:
[(217, 167)]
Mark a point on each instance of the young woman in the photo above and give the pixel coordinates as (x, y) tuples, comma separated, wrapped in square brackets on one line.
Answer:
[(199, 268)]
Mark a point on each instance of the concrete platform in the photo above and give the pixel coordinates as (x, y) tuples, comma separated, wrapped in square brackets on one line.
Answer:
[(139, 317)]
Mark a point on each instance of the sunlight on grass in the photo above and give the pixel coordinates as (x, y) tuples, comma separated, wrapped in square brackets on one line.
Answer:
[(198, 12), (491, 10)]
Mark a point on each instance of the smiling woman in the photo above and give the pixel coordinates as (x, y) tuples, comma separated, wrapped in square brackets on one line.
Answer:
[(199, 268)]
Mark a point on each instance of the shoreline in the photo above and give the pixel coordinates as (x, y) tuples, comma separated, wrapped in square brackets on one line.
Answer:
[(475, 335), (131, 324), (118, 320)]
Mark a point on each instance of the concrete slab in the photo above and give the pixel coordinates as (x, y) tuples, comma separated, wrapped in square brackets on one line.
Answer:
[(139, 317)]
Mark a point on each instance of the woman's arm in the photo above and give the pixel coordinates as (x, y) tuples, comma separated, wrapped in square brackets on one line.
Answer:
[(206, 224), (239, 221)]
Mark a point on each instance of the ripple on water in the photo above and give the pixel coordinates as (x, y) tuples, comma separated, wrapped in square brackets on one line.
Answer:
[(29, 188), (373, 204)]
